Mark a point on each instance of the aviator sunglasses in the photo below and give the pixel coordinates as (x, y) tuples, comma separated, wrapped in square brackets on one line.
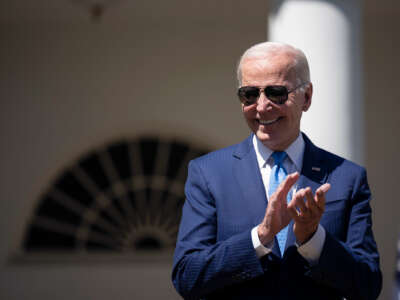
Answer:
[(278, 94)]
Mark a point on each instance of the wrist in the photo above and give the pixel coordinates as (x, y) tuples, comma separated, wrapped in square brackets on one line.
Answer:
[(264, 235), (305, 237)]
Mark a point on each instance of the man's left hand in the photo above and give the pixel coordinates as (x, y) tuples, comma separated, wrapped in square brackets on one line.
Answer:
[(306, 210)]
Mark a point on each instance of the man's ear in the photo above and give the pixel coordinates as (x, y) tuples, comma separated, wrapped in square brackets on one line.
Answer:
[(308, 96)]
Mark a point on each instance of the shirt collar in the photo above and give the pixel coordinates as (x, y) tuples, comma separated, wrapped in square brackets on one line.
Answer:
[(295, 152)]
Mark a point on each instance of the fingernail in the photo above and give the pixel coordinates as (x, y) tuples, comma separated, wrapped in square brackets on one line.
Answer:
[(327, 187)]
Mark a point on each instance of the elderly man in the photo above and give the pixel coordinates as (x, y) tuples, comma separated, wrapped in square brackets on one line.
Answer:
[(276, 217)]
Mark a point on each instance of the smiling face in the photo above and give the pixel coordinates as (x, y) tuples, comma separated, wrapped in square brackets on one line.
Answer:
[(275, 125)]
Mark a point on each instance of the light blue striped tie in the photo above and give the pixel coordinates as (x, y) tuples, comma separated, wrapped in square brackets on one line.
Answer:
[(278, 174)]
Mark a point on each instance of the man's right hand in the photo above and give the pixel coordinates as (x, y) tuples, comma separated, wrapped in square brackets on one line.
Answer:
[(277, 215)]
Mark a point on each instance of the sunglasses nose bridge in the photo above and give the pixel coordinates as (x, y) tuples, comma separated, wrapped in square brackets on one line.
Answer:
[(263, 102)]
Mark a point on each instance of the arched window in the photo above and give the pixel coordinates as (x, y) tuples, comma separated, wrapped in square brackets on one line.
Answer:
[(124, 197)]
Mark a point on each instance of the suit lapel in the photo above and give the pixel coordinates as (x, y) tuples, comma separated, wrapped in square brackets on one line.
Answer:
[(313, 174), (248, 176)]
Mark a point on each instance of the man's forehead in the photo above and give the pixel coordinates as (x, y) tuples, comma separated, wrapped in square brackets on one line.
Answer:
[(255, 67), (272, 60)]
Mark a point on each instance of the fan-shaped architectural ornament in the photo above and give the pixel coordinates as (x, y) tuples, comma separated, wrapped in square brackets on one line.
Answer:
[(124, 197)]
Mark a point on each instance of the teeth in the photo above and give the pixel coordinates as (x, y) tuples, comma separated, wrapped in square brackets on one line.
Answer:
[(262, 122)]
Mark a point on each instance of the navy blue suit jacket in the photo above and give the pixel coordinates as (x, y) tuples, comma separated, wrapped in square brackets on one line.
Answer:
[(225, 198)]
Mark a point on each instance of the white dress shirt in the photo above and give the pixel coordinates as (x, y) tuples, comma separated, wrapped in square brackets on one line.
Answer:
[(311, 250)]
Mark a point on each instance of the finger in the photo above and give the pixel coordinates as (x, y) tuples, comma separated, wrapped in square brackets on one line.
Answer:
[(293, 209), (313, 209), (320, 195), (297, 202), (293, 213), (325, 187), (287, 184), (301, 205)]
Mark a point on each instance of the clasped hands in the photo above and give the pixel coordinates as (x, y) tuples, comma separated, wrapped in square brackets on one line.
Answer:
[(305, 209)]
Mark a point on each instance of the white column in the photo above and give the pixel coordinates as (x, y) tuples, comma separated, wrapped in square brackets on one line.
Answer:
[(329, 34)]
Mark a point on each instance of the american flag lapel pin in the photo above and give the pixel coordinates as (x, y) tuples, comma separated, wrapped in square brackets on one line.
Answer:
[(316, 169)]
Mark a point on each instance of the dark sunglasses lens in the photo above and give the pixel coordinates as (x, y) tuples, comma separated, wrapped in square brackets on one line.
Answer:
[(248, 94), (277, 94)]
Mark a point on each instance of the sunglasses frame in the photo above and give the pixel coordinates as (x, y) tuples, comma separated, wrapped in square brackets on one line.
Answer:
[(245, 101)]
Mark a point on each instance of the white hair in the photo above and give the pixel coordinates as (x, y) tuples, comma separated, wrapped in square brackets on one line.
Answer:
[(267, 51)]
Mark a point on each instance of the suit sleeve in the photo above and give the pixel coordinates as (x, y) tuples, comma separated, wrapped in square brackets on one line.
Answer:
[(352, 267), (201, 263)]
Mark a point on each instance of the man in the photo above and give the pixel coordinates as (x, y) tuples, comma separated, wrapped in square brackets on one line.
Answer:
[(275, 217)]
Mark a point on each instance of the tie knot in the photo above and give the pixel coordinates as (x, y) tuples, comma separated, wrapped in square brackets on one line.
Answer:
[(279, 157)]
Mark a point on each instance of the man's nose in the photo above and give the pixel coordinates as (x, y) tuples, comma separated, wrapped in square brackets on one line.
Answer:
[(263, 103)]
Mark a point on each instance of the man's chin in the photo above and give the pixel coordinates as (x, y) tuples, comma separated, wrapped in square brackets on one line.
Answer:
[(270, 141), (265, 138)]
